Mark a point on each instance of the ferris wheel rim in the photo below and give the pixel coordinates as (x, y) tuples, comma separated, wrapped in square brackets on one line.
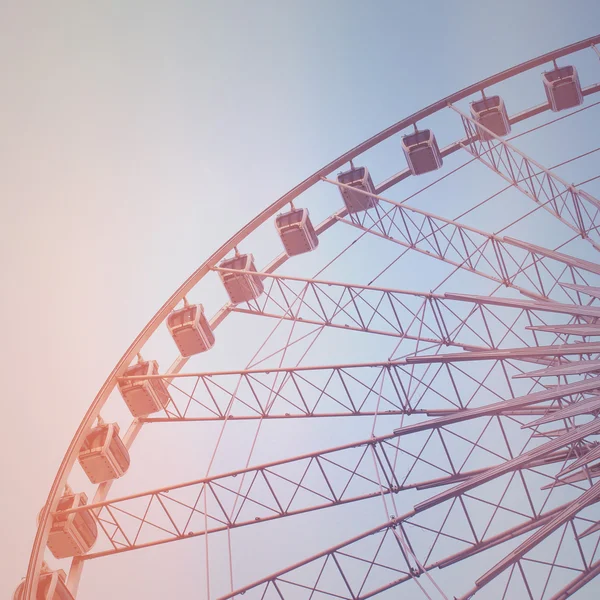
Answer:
[(68, 461)]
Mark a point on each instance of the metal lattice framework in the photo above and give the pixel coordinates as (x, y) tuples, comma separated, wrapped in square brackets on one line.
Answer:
[(574, 207), (469, 467)]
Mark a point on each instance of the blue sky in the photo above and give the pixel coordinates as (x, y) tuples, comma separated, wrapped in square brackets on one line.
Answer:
[(138, 136)]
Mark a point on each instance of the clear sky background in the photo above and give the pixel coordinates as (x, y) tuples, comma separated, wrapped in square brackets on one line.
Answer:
[(135, 137)]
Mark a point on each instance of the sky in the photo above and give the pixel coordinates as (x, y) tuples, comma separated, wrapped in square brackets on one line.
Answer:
[(138, 136)]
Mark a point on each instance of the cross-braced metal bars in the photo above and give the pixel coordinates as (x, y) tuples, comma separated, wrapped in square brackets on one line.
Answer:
[(355, 472), (576, 208), (459, 524), (428, 320), (430, 384), (376, 561), (394, 388), (532, 270)]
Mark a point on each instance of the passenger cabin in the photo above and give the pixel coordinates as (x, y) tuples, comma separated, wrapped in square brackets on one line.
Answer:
[(241, 287), (422, 152), (143, 396), (191, 330), (359, 179), (51, 586), (72, 534), (296, 231), (562, 88), (491, 113), (103, 455)]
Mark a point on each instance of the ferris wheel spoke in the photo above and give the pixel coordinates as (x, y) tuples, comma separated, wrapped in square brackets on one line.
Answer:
[(456, 513), (570, 436), (384, 557), (583, 311), (533, 353), (164, 515), (128, 522), (331, 477), (347, 571), (358, 308), (530, 269), (412, 316), (585, 577), (577, 209), (352, 389), (344, 390), (565, 516), (358, 389)]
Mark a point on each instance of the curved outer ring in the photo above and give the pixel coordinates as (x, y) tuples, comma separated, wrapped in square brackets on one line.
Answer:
[(39, 544)]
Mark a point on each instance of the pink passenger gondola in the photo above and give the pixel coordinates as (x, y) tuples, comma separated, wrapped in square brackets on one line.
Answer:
[(51, 586), (422, 152), (191, 330), (491, 113), (562, 88), (241, 287), (357, 178), (103, 455), (143, 396), (72, 534), (296, 231)]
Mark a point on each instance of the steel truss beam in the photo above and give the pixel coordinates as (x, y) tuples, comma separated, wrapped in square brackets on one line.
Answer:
[(578, 582), (387, 388), (532, 270), (413, 316), (426, 319), (577, 367), (377, 560), (349, 473), (590, 496), (576, 434), (590, 405), (576, 208), (527, 354), (584, 289), (587, 312), (380, 388), (581, 330), (166, 515)]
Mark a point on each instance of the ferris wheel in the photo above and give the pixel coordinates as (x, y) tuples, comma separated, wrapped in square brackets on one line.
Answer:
[(383, 386)]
